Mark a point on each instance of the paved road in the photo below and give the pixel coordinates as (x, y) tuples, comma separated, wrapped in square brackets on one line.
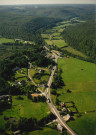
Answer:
[(52, 107), (34, 82)]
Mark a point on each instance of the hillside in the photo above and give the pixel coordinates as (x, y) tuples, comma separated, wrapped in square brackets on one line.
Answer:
[(83, 38)]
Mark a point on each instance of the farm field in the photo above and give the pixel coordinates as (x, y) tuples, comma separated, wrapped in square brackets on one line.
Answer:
[(45, 36), (74, 51), (27, 109), (56, 38), (45, 131), (5, 40), (59, 43), (86, 123), (79, 77), (48, 41)]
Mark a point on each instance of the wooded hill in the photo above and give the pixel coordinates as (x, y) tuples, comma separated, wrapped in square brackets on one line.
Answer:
[(82, 37), (23, 21)]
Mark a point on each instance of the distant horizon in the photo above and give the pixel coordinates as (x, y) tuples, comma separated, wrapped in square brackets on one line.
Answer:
[(47, 2)]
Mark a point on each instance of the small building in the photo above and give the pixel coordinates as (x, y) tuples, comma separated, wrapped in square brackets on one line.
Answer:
[(67, 57), (16, 40), (17, 132), (36, 95), (64, 109), (66, 117), (60, 128), (62, 104), (5, 99)]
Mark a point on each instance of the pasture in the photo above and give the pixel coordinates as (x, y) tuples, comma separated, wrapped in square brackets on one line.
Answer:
[(21, 74), (80, 78), (6, 40), (45, 36), (49, 42), (59, 43), (24, 108), (45, 131), (74, 51)]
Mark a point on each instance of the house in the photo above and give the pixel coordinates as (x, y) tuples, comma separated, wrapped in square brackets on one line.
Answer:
[(17, 132), (60, 128), (66, 117), (62, 104), (16, 40), (64, 109), (36, 95), (5, 99), (15, 69)]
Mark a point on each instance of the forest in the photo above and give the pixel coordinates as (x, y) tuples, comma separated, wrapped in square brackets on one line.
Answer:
[(25, 21), (83, 38)]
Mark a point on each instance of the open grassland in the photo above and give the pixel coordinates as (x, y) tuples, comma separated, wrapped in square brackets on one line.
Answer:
[(21, 74), (56, 34), (74, 51), (5, 40), (56, 39), (75, 70), (80, 78), (59, 43), (45, 36), (24, 108), (45, 131), (85, 125), (49, 42), (43, 76), (32, 72)]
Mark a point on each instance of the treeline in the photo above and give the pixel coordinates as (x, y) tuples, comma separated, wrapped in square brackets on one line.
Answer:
[(20, 59), (83, 38), (30, 124)]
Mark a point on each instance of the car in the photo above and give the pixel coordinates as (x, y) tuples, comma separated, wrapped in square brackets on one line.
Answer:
[(48, 100)]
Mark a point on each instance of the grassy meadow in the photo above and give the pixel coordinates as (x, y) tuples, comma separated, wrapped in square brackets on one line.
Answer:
[(45, 131), (21, 74), (80, 78), (24, 108), (59, 43), (74, 51), (5, 40)]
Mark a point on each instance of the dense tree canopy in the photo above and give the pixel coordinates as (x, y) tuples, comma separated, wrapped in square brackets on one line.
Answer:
[(82, 37)]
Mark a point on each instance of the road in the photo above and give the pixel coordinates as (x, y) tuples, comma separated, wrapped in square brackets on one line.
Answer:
[(34, 82), (51, 105)]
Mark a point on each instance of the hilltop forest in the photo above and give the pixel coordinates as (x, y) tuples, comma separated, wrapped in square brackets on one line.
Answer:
[(83, 38)]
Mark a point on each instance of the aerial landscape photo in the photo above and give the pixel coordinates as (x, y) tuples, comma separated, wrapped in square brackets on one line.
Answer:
[(47, 67)]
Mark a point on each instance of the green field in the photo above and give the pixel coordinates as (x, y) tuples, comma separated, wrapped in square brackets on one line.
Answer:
[(5, 40), (74, 51), (21, 74), (45, 131), (59, 43), (27, 109), (85, 125), (56, 34), (80, 77), (56, 39), (43, 77), (45, 36), (49, 42)]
